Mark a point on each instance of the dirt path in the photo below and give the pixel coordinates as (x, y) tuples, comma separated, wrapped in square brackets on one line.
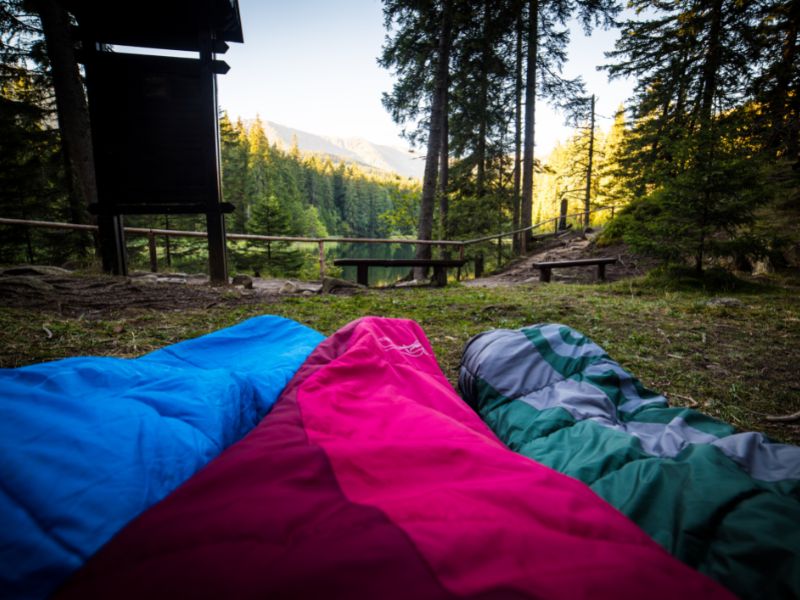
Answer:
[(55, 290), (568, 246)]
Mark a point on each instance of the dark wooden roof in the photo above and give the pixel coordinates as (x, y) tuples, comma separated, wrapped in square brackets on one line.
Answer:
[(172, 24)]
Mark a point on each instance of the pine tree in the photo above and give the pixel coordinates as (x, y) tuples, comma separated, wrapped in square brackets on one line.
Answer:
[(234, 153), (33, 184), (695, 169), (72, 111), (776, 45)]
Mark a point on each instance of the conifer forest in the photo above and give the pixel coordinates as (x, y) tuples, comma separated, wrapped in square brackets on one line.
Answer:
[(701, 165)]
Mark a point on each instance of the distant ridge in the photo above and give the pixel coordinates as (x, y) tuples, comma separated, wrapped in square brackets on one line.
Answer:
[(353, 150)]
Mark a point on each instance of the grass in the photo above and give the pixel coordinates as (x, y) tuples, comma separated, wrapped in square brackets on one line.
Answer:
[(735, 361)]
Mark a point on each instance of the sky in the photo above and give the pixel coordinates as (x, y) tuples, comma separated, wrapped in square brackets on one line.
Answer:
[(312, 65)]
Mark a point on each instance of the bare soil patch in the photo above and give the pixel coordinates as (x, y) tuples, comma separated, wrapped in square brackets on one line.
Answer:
[(571, 245), (65, 293)]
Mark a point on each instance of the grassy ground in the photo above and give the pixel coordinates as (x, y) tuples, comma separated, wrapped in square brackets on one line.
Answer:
[(737, 362)]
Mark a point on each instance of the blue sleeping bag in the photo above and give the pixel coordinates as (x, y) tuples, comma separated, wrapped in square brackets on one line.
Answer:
[(87, 444)]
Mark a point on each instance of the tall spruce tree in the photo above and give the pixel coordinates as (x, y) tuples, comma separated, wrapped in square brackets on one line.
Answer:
[(234, 153), (486, 51), (33, 182), (699, 174), (776, 45)]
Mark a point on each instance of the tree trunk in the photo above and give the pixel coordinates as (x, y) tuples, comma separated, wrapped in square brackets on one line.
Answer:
[(73, 112), (784, 103), (425, 229), (73, 117), (530, 115), (444, 171), (711, 64), (480, 152), (587, 205), (517, 135)]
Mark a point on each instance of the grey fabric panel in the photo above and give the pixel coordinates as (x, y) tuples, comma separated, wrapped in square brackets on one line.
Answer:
[(761, 458), (552, 333), (633, 400), (584, 401), (580, 399), (509, 362), (667, 440)]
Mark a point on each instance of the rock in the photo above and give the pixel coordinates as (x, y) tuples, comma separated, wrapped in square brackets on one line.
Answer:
[(10, 282), (763, 267), (289, 288), (243, 280), (724, 302), (34, 270), (297, 287), (412, 284), (332, 284)]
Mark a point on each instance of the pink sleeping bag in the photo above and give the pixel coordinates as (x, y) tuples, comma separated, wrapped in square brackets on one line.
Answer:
[(371, 478)]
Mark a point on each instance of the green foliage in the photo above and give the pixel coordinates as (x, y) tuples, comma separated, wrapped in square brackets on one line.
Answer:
[(676, 278), (490, 43), (700, 157), (705, 207), (32, 181)]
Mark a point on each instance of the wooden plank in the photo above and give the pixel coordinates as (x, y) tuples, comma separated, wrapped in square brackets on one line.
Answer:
[(601, 262), (397, 262), (362, 265), (604, 260)]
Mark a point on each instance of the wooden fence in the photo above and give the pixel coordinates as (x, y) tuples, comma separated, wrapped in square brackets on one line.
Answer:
[(152, 234)]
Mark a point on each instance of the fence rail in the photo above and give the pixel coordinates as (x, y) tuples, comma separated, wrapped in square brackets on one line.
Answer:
[(151, 234)]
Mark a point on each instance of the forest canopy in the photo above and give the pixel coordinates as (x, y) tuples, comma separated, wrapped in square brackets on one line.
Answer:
[(707, 146), (702, 163)]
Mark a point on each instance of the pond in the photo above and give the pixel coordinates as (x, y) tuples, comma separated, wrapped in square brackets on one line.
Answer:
[(378, 276)]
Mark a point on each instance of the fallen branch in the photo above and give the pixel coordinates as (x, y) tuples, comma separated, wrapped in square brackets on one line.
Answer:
[(692, 403), (48, 332), (783, 418)]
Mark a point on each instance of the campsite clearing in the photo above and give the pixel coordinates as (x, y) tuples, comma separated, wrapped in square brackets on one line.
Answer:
[(735, 359)]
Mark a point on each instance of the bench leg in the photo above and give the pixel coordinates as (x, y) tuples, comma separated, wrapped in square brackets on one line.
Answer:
[(601, 272), (545, 274), (440, 276), (362, 275)]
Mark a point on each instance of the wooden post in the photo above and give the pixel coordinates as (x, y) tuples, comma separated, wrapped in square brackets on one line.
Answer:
[(460, 257), (321, 259), (151, 245), (499, 251), (167, 249), (112, 244), (217, 261), (362, 275), (479, 265), (562, 219), (215, 219)]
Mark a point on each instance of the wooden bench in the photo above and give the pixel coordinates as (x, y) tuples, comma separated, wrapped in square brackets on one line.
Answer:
[(600, 261), (362, 265)]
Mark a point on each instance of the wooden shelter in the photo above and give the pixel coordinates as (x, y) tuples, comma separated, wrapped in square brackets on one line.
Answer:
[(154, 120)]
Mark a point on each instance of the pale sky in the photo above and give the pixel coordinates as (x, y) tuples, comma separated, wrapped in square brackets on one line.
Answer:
[(311, 65)]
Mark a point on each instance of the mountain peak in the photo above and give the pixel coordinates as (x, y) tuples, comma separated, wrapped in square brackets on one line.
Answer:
[(353, 150)]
